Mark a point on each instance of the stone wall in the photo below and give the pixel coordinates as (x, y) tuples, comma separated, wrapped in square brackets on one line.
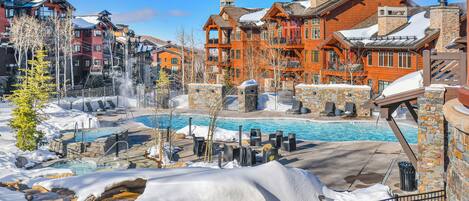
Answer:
[(457, 187), (202, 96), (97, 148), (315, 97), (247, 98), (431, 133), (446, 19), (388, 23)]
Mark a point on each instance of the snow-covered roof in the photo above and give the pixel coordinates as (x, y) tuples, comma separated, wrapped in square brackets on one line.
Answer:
[(407, 35), (249, 83), (86, 22), (254, 17), (333, 86), (406, 83), (144, 48)]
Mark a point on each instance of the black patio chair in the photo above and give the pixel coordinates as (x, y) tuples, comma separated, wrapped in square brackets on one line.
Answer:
[(329, 110), (296, 107), (290, 143), (255, 139), (114, 107), (350, 109)]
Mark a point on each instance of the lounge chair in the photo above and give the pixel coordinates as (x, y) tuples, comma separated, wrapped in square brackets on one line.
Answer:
[(350, 110), (296, 107), (114, 107), (199, 146), (91, 110), (329, 110), (255, 139), (102, 107), (289, 143)]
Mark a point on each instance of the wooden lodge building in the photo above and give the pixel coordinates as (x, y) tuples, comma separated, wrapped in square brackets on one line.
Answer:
[(308, 42)]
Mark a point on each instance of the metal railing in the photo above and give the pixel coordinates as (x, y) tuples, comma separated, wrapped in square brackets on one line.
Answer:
[(110, 149), (433, 196)]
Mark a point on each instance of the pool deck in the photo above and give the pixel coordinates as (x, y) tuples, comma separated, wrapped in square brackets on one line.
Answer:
[(340, 165)]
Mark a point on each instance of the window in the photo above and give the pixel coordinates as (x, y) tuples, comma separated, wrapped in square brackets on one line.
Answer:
[(315, 56), (333, 57), (249, 34), (382, 85), (370, 83), (385, 59), (97, 62), (87, 63), (404, 59), (369, 58), (279, 32), (238, 34), (306, 33), (44, 12), (315, 79), (232, 54), (76, 48), (97, 33), (174, 69), (238, 54), (76, 62), (316, 33), (106, 62), (9, 13), (97, 48), (174, 61), (77, 34), (238, 73), (315, 21), (264, 35)]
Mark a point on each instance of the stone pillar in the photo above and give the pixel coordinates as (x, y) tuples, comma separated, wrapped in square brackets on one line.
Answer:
[(457, 187), (247, 98), (446, 19), (431, 143), (203, 96)]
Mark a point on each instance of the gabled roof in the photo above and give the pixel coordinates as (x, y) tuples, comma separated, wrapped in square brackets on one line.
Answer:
[(218, 20), (36, 3), (234, 13)]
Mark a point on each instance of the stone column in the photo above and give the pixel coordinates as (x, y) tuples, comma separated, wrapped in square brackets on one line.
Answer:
[(247, 98), (457, 187), (431, 143), (446, 19)]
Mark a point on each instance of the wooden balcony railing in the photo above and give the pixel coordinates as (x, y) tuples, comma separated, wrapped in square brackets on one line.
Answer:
[(444, 68)]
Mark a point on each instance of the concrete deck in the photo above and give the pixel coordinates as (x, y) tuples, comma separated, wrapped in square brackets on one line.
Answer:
[(340, 165)]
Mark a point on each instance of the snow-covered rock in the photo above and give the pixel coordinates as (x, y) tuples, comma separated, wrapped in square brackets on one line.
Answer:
[(9, 195), (220, 134)]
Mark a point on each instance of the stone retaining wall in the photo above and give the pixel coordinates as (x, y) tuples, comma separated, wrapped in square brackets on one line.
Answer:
[(457, 176), (202, 96), (315, 97)]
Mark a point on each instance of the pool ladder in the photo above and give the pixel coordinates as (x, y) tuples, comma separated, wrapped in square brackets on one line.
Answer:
[(110, 149)]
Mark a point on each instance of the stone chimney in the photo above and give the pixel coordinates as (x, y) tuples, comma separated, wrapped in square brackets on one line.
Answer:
[(391, 18), (316, 3), (226, 3), (446, 19)]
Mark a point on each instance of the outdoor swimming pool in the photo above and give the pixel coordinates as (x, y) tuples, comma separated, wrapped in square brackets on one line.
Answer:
[(304, 129), (90, 135)]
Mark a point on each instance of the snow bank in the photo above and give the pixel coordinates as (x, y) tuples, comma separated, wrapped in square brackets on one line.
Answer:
[(220, 134), (229, 165), (180, 102), (77, 102), (408, 82), (373, 193), (249, 83), (266, 101), (363, 32), (8, 195)]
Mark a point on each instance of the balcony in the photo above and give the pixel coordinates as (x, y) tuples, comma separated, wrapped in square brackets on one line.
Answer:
[(216, 43), (344, 70), (287, 42)]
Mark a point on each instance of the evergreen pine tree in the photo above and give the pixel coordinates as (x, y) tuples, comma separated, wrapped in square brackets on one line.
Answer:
[(30, 98)]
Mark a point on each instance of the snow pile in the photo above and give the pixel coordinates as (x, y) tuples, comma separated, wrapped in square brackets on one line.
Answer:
[(363, 32), (334, 86), (229, 165), (249, 83), (266, 101), (270, 181), (77, 102), (6, 194), (167, 151), (180, 102), (408, 82), (376, 192), (418, 24), (254, 17), (220, 134)]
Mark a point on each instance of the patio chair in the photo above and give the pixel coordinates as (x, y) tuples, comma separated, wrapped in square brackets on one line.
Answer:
[(350, 110), (102, 107), (90, 109), (114, 107), (296, 107), (199, 146), (329, 110), (290, 143), (255, 139)]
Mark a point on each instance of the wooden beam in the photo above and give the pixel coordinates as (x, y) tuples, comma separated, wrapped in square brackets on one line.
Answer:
[(407, 149), (412, 111)]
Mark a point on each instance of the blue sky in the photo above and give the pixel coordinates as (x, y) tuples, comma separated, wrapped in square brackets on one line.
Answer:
[(163, 18)]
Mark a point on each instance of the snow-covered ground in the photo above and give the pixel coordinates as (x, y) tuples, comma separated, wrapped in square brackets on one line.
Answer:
[(8, 195), (270, 181), (77, 102), (220, 134), (266, 102), (58, 119)]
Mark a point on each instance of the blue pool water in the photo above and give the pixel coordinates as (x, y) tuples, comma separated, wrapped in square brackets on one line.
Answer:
[(93, 134), (77, 167), (305, 130)]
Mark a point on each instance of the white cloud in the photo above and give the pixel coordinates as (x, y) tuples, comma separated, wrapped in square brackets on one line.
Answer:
[(135, 16)]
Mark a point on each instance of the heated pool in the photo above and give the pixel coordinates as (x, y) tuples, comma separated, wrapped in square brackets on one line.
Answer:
[(304, 129), (90, 135), (78, 167)]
